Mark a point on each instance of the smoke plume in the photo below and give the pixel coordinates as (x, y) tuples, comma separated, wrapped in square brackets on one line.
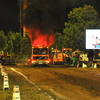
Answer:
[(42, 17), (45, 15)]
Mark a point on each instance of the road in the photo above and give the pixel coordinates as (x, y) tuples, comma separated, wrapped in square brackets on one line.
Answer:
[(63, 82)]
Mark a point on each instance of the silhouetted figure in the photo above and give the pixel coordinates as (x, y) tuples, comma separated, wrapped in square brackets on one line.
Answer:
[(90, 55)]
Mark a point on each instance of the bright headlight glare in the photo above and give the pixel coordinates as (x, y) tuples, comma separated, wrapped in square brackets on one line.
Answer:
[(47, 61), (33, 61)]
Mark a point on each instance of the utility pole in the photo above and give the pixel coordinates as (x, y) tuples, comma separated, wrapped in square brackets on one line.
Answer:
[(23, 6), (20, 16)]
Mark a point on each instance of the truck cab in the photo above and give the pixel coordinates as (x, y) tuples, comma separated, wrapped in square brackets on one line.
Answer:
[(40, 55)]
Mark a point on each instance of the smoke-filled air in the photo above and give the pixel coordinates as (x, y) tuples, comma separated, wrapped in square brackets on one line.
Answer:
[(41, 18)]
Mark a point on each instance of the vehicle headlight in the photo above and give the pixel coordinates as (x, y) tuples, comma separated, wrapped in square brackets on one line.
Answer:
[(33, 61), (47, 61)]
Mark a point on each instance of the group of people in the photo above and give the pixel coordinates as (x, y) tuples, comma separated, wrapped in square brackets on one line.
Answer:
[(90, 55), (76, 57), (68, 60)]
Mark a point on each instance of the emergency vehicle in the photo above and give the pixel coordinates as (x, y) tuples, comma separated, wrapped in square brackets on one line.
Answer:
[(58, 59), (40, 55)]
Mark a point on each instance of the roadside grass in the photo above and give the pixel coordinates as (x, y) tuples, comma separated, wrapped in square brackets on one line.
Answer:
[(27, 90)]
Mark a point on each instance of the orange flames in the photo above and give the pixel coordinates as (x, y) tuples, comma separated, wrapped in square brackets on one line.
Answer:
[(38, 38)]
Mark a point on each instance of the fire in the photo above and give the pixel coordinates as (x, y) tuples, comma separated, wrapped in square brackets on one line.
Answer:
[(38, 38)]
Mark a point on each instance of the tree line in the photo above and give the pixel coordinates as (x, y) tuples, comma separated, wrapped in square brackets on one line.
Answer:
[(14, 44), (72, 36)]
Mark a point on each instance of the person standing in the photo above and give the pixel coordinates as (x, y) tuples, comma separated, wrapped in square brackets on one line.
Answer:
[(90, 57), (74, 61)]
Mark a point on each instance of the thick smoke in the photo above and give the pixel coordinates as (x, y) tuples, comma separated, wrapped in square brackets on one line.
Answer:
[(42, 17), (48, 15), (45, 15)]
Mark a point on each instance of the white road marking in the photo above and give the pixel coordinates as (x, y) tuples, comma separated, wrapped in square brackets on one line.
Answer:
[(29, 80), (23, 76)]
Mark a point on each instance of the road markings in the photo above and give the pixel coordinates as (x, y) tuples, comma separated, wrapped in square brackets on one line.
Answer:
[(23, 76), (29, 80)]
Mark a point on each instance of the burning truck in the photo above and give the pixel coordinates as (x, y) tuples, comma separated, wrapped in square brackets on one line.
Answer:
[(40, 22), (40, 46), (40, 55)]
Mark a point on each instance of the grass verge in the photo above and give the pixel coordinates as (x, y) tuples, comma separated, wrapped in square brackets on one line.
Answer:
[(27, 90)]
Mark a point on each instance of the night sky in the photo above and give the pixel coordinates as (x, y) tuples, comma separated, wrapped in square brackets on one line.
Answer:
[(9, 12), (9, 15)]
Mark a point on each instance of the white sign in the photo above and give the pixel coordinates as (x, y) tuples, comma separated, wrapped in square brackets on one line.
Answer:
[(92, 39)]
